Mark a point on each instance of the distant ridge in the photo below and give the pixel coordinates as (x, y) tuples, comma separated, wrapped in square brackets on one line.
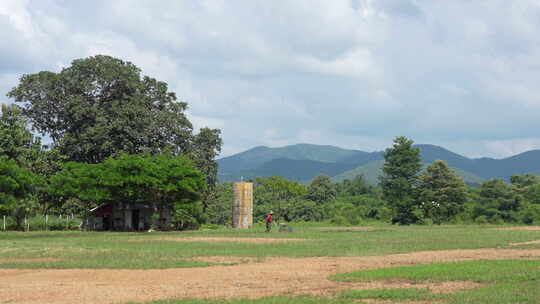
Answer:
[(303, 162)]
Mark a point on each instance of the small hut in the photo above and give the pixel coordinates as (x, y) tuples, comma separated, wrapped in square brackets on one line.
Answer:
[(125, 217)]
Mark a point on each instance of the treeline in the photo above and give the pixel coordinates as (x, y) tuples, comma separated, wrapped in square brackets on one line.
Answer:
[(406, 194), (117, 137)]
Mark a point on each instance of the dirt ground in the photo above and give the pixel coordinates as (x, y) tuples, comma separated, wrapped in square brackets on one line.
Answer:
[(526, 228), (273, 276)]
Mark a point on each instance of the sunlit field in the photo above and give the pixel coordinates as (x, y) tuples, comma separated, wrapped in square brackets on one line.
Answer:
[(365, 263)]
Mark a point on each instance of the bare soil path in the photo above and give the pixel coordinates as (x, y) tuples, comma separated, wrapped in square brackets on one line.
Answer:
[(273, 276)]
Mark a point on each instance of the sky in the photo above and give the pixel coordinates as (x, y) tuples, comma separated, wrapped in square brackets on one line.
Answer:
[(351, 73)]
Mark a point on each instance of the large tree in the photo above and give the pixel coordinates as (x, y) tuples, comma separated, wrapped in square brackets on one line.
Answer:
[(441, 192), (399, 179), (161, 181), (498, 201), (16, 140), (102, 106), (18, 190), (206, 147), (277, 194), (321, 189)]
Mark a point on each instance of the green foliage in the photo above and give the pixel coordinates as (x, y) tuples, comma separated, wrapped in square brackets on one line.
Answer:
[(524, 180), (339, 220), (321, 190), (218, 206), (16, 141), (498, 201), (441, 193), (160, 181), (277, 194), (206, 147), (18, 190), (306, 210), (188, 216), (354, 187), (530, 214), (400, 178), (101, 106)]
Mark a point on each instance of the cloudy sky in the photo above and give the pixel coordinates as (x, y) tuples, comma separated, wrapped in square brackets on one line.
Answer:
[(353, 73)]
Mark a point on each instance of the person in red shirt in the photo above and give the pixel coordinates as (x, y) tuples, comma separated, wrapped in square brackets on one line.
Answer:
[(268, 221)]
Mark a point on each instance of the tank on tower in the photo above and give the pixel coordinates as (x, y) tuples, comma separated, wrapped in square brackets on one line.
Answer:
[(242, 211)]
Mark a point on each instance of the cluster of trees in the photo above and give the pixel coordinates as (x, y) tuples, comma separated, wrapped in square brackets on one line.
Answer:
[(116, 136), (407, 194), (120, 137)]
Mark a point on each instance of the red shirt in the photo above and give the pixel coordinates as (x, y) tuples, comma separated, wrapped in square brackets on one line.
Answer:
[(269, 218)]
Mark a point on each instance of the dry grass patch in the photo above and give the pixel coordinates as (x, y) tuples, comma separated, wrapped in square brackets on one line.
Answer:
[(537, 242), (226, 260)]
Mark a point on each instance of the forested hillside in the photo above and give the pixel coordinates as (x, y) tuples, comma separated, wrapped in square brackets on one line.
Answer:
[(302, 162)]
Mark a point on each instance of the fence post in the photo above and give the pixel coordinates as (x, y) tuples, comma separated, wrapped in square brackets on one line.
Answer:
[(4, 223), (46, 222)]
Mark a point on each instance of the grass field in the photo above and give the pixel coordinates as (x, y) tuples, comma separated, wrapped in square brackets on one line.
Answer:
[(398, 258)]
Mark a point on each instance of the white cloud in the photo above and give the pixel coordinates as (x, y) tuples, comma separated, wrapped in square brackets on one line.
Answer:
[(462, 74)]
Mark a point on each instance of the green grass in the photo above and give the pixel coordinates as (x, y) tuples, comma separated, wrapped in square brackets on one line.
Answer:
[(476, 271), (400, 294), (142, 251), (506, 281)]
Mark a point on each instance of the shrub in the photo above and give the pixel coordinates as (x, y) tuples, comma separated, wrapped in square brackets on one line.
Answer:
[(339, 220), (482, 219)]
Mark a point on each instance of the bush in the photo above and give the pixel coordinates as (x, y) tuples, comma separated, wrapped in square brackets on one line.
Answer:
[(530, 214), (39, 223), (383, 214), (340, 221), (482, 219)]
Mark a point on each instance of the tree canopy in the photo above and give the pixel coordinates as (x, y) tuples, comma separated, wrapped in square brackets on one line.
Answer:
[(102, 106), (441, 192), (400, 179), (16, 141), (160, 181)]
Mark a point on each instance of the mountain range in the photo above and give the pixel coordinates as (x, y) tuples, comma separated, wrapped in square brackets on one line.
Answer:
[(303, 162)]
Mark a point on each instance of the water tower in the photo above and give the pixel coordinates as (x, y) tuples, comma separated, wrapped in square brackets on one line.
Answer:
[(242, 211)]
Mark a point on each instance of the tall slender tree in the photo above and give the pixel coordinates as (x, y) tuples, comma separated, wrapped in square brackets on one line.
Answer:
[(206, 147), (400, 179)]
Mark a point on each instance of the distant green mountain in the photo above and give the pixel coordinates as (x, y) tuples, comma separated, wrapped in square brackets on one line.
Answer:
[(257, 156), (302, 162), (299, 170), (371, 172)]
